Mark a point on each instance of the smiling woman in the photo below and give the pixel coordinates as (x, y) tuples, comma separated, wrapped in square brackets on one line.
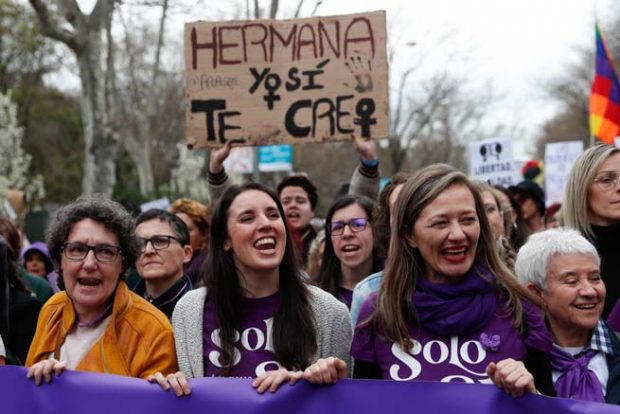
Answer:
[(97, 324), (257, 317), (448, 309), (562, 268)]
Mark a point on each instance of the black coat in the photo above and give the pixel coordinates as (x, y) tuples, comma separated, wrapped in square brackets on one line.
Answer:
[(539, 366), (19, 312)]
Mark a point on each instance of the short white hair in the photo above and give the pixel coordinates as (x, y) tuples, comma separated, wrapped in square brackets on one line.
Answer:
[(533, 257)]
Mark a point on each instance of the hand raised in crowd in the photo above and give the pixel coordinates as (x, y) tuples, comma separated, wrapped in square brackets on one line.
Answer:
[(326, 371), (177, 381), (367, 148), (511, 376), (218, 156), (44, 369)]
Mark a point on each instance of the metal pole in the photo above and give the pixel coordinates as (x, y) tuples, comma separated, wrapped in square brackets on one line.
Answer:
[(256, 175)]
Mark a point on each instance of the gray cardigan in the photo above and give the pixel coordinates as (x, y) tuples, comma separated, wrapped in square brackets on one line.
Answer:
[(333, 329)]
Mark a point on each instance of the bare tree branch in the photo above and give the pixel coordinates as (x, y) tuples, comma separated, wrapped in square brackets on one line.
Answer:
[(256, 10), (273, 10), (316, 8), (101, 13), (160, 41), (52, 28), (110, 74), (298, 10), (401, 94)]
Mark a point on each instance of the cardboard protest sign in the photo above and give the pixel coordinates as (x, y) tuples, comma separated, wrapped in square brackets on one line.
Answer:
[(291, 81), (559, 159), (492, 161)]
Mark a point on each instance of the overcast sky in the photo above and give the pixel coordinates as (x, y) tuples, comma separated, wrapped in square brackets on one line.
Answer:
[(514, 45)]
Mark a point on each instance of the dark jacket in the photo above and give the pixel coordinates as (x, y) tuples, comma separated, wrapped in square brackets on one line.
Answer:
[(23, 314), (167, 300), (19, 311), (606, 240), (539, 366)]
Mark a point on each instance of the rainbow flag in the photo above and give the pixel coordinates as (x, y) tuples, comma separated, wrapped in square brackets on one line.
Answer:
[(605, 96)]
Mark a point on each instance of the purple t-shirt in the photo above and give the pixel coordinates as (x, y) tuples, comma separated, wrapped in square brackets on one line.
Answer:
[(435, 358), (345, 295), (254, 352)]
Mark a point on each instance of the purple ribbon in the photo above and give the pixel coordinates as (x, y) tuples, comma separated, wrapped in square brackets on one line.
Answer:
[(576, 379)]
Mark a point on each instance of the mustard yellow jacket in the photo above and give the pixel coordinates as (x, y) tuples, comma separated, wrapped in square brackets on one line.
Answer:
[(137, 342)]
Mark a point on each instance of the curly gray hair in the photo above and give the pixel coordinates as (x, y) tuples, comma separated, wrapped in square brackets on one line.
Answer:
[(99, 208)]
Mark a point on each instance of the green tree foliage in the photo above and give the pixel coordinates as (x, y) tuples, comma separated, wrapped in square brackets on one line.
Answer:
[(55, 138), (25, 55), (49, 120)]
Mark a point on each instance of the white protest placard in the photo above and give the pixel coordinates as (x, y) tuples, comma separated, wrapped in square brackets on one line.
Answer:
[(161, 203), (295, 81), (492, 161), (240, 160), (559, 159)]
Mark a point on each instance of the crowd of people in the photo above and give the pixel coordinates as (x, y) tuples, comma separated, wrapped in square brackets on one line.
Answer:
[(436, 277)]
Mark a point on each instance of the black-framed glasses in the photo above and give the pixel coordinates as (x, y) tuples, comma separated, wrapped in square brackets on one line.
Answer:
[(159, 242), (607, 181), (336, 228), (104, 253)]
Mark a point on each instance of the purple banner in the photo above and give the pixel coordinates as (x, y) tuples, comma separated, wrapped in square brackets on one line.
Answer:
[(82, 392)]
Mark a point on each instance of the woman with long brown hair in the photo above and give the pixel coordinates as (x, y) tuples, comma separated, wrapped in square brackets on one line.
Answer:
[(448, 308), (256, 316)]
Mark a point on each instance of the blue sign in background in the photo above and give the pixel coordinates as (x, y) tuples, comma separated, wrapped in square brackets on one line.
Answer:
[(275, 158)]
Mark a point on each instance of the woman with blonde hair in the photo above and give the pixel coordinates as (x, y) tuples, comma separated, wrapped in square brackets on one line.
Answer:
[(448, 309), (592, 206)]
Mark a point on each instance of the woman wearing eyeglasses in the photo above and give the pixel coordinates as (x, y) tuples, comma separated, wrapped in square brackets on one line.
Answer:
[(349, 249), (592, 206), (97, 324)]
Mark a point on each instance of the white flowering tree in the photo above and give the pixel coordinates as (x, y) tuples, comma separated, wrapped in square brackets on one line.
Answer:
[(14, 161), (188, 178)]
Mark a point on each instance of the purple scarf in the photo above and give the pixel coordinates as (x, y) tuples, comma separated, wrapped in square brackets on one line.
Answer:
[(576, 379), (456, 308)]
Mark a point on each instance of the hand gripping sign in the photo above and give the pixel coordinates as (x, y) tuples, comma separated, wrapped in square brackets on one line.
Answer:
[(293, 81)]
